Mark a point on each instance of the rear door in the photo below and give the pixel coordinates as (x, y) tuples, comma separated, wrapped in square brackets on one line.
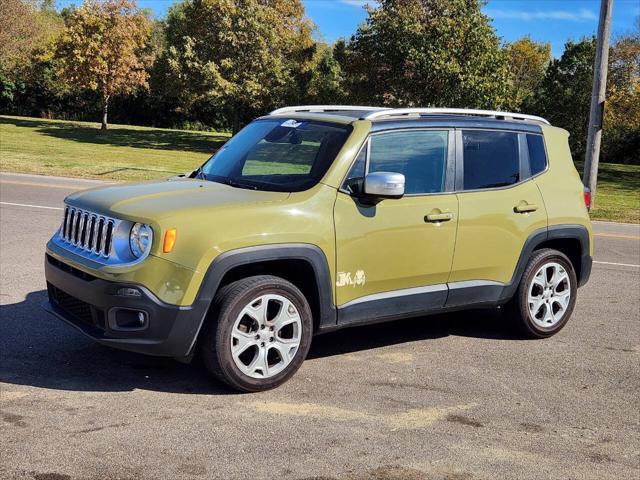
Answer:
[(499, 207)]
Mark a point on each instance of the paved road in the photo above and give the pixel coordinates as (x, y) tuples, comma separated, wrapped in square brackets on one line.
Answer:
[(445, 397)]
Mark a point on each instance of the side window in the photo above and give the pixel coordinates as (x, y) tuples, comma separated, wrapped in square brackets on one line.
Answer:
[(355, 177), (420, 155), (490, 159), (537, 154)]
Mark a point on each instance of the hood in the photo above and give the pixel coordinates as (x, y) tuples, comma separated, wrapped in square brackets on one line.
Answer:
[(159, 199)]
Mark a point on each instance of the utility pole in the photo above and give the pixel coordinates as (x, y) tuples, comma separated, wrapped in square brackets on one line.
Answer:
[(594, 136)]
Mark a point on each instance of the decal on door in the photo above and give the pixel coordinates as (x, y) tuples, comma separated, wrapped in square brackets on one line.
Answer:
[(346, 279)]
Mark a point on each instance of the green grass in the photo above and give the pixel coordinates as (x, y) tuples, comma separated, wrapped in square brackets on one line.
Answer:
[(281, 158), (80, 149), (618, 194)]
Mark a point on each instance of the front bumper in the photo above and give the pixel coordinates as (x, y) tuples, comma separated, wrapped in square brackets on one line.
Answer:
[(91, 304)]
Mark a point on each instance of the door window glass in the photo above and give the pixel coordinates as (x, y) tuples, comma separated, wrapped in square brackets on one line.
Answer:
[(420, 155), (490, 159)]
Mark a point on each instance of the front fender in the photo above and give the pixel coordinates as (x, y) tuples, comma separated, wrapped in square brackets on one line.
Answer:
[(312, 254)]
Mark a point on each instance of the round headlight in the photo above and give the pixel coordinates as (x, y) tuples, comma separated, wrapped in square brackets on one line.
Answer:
[(140, 239)]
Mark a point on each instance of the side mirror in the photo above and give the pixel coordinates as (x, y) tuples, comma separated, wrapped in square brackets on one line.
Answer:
[(384, 185)]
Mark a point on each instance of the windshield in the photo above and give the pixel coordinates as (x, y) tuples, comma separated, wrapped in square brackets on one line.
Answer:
[(277, 154)]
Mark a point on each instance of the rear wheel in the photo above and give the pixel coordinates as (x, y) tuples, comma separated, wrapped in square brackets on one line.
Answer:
[(546, 295), (259, 334)]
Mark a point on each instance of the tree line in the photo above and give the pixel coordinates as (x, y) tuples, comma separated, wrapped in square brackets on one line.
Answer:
[(219, 63)]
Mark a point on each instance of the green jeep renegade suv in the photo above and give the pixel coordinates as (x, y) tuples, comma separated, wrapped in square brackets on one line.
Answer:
[(317, 218)]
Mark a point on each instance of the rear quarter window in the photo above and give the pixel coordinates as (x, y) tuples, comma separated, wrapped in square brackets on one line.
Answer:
[(537, 154)]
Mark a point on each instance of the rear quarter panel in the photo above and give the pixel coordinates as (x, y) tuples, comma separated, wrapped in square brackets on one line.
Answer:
[(561, 186)]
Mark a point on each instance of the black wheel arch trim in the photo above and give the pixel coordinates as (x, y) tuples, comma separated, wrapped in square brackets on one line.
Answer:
[(552, 232), (231, 259)]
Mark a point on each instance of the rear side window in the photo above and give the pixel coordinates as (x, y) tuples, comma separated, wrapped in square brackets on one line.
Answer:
[(491, 159), (537, 154)]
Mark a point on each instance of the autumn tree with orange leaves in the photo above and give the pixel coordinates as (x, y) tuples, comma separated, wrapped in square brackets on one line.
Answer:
[(102, 48)]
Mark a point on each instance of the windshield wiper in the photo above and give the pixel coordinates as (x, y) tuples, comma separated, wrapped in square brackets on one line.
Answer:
[(199, 173), (234, 183)]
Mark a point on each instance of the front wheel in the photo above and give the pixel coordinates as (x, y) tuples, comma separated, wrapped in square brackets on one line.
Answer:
[(259, 335), (546, 295)]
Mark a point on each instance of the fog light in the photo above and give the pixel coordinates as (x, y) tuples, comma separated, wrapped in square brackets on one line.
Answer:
[(126, 319)]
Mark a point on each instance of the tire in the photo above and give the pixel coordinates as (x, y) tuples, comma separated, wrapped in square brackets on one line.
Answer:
[(539, 308), (258, 334)]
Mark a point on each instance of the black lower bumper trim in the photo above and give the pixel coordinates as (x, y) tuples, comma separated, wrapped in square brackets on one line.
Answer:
[(90, 305)]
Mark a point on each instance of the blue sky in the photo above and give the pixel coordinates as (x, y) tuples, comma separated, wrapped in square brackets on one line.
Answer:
[(553, 21)]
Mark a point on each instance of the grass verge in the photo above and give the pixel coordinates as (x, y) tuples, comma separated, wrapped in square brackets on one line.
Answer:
[(80, 149), (618, 194)]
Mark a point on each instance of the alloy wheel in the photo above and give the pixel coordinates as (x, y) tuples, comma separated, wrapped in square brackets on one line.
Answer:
[(549, 295), (266, 336)]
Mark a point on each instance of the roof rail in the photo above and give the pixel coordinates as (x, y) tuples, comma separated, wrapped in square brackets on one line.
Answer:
[(326, 108), (395, 112)]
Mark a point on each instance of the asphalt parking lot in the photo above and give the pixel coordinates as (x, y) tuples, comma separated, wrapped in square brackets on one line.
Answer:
[(444, 397)]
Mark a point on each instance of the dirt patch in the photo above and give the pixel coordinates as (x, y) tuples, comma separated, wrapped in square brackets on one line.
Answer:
[(423, 417), (309, 410), (532, 427), (97, 429), (13, 419), (387, 472), (396, 357), (416, 386), (410, 419), (319, 478), (464, 420), (6, 396), (392, 472), (194, 469), (458, 476), (51, 476), (599, 457)]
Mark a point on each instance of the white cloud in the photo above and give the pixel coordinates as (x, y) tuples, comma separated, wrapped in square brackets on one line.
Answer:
[(358, 3), (526, 16)]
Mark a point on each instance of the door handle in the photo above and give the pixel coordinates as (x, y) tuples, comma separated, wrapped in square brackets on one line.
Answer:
[(524, 207), (438, 217)]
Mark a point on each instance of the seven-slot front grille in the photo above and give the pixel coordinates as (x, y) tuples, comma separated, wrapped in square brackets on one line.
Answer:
[(89, 231)]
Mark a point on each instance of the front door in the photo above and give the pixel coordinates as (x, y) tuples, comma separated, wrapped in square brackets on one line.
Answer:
[(394, 258)]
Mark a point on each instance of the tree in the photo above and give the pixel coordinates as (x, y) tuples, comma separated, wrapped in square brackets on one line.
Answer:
[(18, 32), (564, 95), (427, 53), (621, 136), (528, 61), (27, 30), (24, 27), (326, 85), (102, 49), (238, 56)]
